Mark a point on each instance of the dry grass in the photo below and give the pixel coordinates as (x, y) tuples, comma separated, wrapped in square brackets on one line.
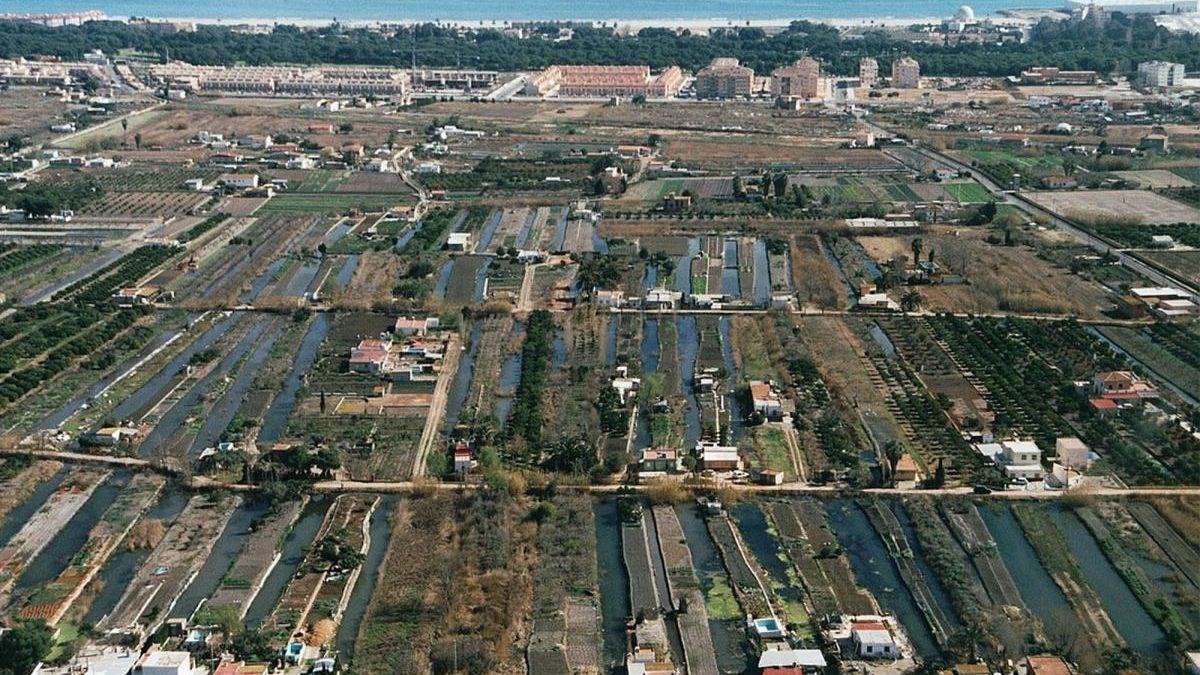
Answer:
[(667, 491), (18, 488), (1133, 206), (1183, 514), (816, 282), (999, 278), (145, 535)]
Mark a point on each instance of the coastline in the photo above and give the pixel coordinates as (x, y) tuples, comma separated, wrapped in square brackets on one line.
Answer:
[(619, 24)]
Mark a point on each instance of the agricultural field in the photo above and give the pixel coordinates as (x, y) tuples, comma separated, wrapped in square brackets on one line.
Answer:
[(1133, 208), (994, 277), (509, 418), (144, 204), (329, 202)]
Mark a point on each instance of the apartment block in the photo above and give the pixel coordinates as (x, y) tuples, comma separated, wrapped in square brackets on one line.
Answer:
[(725, 78)]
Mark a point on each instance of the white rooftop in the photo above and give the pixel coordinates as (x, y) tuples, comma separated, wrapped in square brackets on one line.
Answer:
[(787, 658), (1158, 292), (166, 659)]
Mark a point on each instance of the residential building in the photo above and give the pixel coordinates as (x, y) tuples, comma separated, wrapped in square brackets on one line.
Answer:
[(1192, 663), (1123, 385), (1049, 665), (239, 180), (371, 356), (409, 326), (800, 81), (868, 72), (1053, 75), (613, 180), (464, 460), (766, 400), (1073, 453), (1134, 6), (605, 81), (459, 241), (906, 73), (675, 203), (316, 81), (164, 663), (718, 457), (791, 661), (658, 461), (607, 298), (626, 386), (1159, 74), (878, 301), (873, 640), (906, 469), (725, 78), (1019, 459), (1104, 407), (1059, 182), (131, 297), (661, 298)]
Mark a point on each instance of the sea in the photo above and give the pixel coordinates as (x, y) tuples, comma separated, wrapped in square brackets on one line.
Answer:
[(667, 11)]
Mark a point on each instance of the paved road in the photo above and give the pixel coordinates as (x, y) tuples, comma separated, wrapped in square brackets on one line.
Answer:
[(437, 407), (411, 486)]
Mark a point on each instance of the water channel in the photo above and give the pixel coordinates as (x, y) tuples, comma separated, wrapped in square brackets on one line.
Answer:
[(291, 554), (613, 582), (360, 597), (220, 558), (875, 571)]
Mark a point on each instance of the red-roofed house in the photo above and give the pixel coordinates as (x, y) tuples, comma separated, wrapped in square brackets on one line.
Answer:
[(370, 356), (1120, 385)]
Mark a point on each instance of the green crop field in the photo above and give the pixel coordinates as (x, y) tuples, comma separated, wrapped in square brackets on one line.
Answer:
[(325, 202), (968, 193), (322, 180)]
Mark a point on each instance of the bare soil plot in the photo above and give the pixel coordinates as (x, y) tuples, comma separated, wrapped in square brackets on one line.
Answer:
[(25, 111), (373, 182), (1155, 178), (1184, 263), (1136, 206), (112, 130), (144, 204), (732, 151), (240, 206)]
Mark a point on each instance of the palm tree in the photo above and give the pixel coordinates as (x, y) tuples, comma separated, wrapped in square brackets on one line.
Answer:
[(910, 301)]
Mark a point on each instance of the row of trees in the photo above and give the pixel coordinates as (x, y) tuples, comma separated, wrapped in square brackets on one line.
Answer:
[(1118, 46)]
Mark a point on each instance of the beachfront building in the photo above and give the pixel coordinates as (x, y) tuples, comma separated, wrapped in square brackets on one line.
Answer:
[(725, 78), (284, 80), (868, 72), (800, 81), (906, 73), (20, 71), (605, 82), (1134, 6)]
